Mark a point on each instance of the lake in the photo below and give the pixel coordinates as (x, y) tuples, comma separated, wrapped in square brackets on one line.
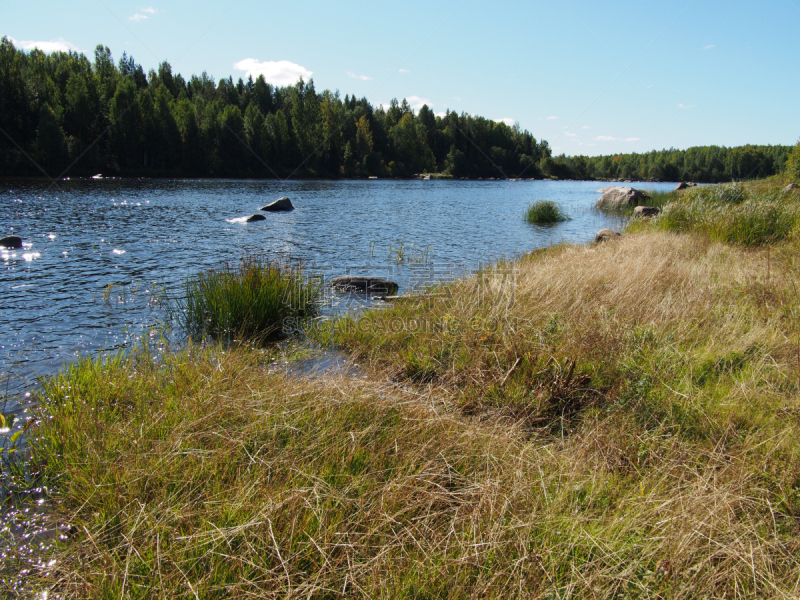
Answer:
[(98, 252)]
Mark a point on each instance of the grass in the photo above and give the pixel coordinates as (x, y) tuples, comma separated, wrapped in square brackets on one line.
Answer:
[(544, 212), (599, 421), (249, 301), (737, 214)]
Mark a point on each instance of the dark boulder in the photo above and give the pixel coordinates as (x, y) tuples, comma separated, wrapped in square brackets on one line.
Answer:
[(255, 217), (11, 241), (646, 211), (374, 285), (682, 186), (279, 205)]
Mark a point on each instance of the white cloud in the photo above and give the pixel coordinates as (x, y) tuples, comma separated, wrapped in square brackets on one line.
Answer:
[(416, 102), (141, 16), (403, 71), (686, 105), (552, 118), (611, 138), (442, 114), (570, 134), (361, 77), (709, 47), (508, 121), (585, 127), (276, 72), (457, 98), (56, 45)]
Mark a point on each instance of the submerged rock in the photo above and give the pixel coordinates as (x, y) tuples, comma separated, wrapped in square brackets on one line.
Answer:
[(605, 235), (646, 211), (279, 205), (11, 241), (255, 217), (374, 285), (620, 197)]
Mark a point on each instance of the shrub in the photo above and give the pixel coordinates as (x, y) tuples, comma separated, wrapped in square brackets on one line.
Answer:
[(247, 302), (545, 211), (793, 164)]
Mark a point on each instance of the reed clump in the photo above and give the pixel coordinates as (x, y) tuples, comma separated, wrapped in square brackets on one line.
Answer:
[(545, 212), (247, 301)]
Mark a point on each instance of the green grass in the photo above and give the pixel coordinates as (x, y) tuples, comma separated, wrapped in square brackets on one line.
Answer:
[(737, 214), (544, 212), (250, 301)]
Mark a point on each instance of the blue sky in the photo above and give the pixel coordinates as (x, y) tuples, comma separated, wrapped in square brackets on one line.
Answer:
[(590, 77)]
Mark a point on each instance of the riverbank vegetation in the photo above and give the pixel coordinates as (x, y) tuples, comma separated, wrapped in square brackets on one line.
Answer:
[(611, 420)]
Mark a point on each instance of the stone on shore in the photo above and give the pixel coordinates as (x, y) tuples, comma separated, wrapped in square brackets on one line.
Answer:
[(682, 186), (12, 241), (789, 188), (255, 217), (605, 235), (375, 285), (646, 211), (279, 205), (620, 197)]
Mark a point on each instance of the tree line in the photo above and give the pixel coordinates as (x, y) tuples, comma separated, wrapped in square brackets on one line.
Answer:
[(703, 164), (62, 111)]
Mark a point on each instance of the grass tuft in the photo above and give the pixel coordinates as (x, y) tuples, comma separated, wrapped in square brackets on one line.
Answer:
[(544, 212), (249, 301)]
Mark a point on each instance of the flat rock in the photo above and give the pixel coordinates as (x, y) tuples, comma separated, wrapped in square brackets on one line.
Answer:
[(646, 211), (605, 235), (279, 205), (255, 217), (374, 285), (620, 197), (11, 241)]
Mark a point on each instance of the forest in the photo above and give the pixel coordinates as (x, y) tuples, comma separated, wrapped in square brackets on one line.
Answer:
[(702, 164), (61, 113)]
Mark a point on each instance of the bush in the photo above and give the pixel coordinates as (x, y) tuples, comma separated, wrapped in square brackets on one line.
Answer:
[(793, 164), (545, 211), (247, 302)]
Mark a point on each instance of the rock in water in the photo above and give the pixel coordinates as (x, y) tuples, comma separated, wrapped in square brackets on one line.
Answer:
[(620, 197), (646, 211), (605, 235), (681, 186), (374, 285), (252, 218), (279, 205), (11, 241)]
